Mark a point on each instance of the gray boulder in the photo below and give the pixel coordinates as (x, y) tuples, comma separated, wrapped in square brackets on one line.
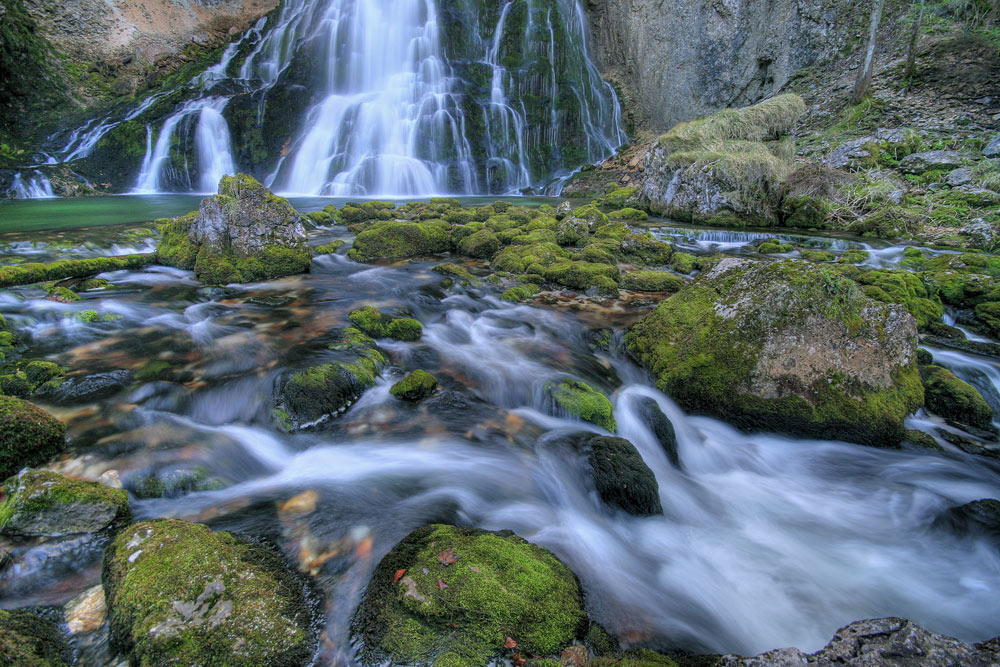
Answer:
[(961, 176), (850, 153), (918, 163), (993, 148), (982, 235), (881, 642), (41, 503)]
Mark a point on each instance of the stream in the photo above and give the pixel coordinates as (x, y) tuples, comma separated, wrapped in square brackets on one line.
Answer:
[(766, 541)]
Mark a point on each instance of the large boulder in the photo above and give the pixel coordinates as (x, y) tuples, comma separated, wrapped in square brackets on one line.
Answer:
[(29, 435), (41, 503), (785, 346), (244, 233), (454, 596), (182, 594), (621, 477), (394, 240), (887, 642)]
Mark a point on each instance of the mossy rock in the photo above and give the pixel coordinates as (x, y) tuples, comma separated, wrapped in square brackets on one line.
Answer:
[(519, 259), (328, 248), (40, 372), (682, 262), (581, 400), (416, 386), (647, 249), (235, 603), (617, 198), (519, 293), (456, 271), (785, 346), (951, 398), (773, 247), (905, 288), (374, 323), (805, 211), (622, 478), (584, 276), (29, 436), (652, 281), (397, 240), (572, 231), (989, 315), (853, 256), (45, 504), (592, 216), (420, 610), (15, 384), (482, 244), (312, 396), (628, 214), (30, 640), (818, 256)]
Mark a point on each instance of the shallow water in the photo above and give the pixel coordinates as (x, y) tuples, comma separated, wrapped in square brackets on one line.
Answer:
[(766, 541)]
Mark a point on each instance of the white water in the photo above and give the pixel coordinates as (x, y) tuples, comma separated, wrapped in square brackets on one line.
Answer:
[(34, 185)]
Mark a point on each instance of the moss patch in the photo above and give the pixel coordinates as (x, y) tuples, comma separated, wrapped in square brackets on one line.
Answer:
[(29, 436), (951, 398), (28, 640), (378, 325), (416, 386), (583, 401)]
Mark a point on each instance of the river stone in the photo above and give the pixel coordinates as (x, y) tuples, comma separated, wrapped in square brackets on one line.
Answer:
[(45, 504), (29, 436), (918, 163), (28, 639), (179, 593), (982, 235), (84, 389), (880, 642), (949, 397), (785, 346), (622, 478), (426, 600), (977, 517), (663, 430)]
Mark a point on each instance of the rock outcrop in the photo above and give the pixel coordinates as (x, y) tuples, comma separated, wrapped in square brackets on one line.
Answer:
[(785, 346), (886, 642)]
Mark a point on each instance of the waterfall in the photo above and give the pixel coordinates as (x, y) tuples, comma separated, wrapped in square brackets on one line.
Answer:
[(35, 186)]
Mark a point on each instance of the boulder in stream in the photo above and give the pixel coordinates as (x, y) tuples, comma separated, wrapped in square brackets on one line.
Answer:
[(663, 430), (581, 400), (416, 386), (243, 234), (32, 640), (785, 346), (428, 599), (951, 398), (41, 503), (179, 593), (621, 476), (29, 435)]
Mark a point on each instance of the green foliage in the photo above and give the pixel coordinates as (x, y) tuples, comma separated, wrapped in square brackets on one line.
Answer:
[(583, 401), (237, 603), (416, 386), (500, 586), (29, 436)]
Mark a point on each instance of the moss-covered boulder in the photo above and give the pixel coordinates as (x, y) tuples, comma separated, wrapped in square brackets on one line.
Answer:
[(989, 315), (621, 476), (312, 396), (181, 594), (584, 276), (951, 398), (453, 596), (581, 400), (376, 324), (244, 233), (45, 504), (482, 244), (905, 288), (416, 386), (30, 640), (646, 249), (785, 346), (29, 435), (528, 258), (396, 240), (652, 281)]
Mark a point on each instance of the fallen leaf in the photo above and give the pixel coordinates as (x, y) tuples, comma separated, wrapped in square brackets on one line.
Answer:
[(510, 643), (448, 557), (518, 660), (399, 575), (442, 585)]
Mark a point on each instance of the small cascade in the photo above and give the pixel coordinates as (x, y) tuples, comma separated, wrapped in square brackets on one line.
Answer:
[(35, 185)]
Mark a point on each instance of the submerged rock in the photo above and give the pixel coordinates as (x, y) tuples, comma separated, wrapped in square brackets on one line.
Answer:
[(887, 642), (29, 435), (977, 517), (657, 422), (84, 388), (416, 386), (785, 346), (951, 398), (182, 594), (244, 233), (29, 640), (378, 325), (621, 476), (45, 504), (452, 596)]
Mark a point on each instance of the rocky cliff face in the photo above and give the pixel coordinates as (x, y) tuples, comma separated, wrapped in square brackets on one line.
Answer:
[(674, 61)]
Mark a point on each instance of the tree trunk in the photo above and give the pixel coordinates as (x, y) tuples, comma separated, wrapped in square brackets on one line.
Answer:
[(864, 81), (911, 53)]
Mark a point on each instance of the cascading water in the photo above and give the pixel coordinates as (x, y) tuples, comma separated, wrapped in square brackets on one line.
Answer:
[(351, 98), (34, 185)]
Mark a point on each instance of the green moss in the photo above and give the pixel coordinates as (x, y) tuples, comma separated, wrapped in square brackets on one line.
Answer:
[(581, 400), (500, 586), (390, 240), (328, 248), (27, 274), (645, 248), (891, 222), (460, 272), (989, 315), (377, 325), (15, 384), (520, 293), (592, 216), (405, 329), (237, 603), (853, 256), (818, 255), (682, 262), (584, 276), (482, 244), (628, 214), (62, 294), (39, 372), (949, 397), (29, 640), (902, 287), (33, 494), (805, 212), (617, 199), (767, 120), (616, 231), (773, 247), (29, 436), (416, 386), (521, 259), (652, 281)]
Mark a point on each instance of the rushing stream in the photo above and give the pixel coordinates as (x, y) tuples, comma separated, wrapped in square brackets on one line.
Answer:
[(765, 541)]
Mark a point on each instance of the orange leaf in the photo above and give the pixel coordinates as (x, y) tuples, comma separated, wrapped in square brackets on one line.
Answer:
[(510, 643), (448, 557), (442, 585), (399, 575), (518, 660)]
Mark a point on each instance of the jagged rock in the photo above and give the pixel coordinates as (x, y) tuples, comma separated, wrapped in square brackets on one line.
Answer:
[(881, 642), (850, 153), (918, 163), (958, 177), (45, 504), (993, 148), (785, 346), (982, 235)]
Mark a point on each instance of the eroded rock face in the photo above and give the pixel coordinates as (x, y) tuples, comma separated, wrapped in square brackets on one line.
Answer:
[(235, 603), (785, 346), (881, 642)]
